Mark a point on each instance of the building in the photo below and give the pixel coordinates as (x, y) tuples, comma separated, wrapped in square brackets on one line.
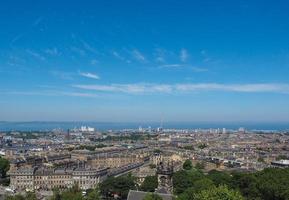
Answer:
[(48, 178), (164, 174), (115, 160), (280, 164)]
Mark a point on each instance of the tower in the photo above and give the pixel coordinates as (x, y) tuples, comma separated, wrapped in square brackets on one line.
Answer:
[(164, 174)]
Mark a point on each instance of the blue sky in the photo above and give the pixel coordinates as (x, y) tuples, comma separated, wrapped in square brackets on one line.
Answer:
[(142, 60)]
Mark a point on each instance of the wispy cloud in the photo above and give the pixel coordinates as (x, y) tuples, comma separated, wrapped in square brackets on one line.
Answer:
[(62, 75), (160, 55), (172, 66), (93, 62), (50, 93), (89, 75), (79, 51), (89, 48), (116, 54), (148, 88), (205, 56), (15, 61), (35, 54), (120, 57), (37, 21), (138, 55), (184, 55), (126, 88), (16, 38), (52, 51), (181, 66)]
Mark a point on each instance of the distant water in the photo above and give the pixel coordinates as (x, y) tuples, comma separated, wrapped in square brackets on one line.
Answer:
[(45, 126)]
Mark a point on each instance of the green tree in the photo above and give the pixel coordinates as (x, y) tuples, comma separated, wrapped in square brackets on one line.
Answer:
[(56, 194), (118, 185), (188, 165), (73, 193), (152, 196), (273, 183), (30, 196), (202, 146), (185, 179), (16, 197), (150, 184), (152, 166), (260, 159), (247, 184), (218, 193), (281, 157), (94, 194), (220, 178), (198, 186), (4, 167), (200, 165), (181, 182)]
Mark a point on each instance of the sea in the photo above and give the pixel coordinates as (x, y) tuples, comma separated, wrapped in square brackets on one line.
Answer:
[(102, 126)]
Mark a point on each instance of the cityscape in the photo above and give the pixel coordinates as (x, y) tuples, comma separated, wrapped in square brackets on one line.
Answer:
[(144, 100), (41, 161)]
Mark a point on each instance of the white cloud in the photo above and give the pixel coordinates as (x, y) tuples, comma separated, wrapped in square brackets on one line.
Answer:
[(93, 62), (50, 93), (89, 75), (120, 57), (127, 88), (179, 66), (79, 51), (116, 54), (88, 47), (199, 69), (37, 21), (171, 66), (160, 55), (35, 54), (62, 75), (53, 51), (143, 88), (184, 55), (138, 55)]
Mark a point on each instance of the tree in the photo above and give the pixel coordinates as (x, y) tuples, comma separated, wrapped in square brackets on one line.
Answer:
[(118, 185), (247, 184), (27, 196), (4, 167), (260, 159), (153, 196), (198, 186), (218, 193), (185, 179), (273, 183), (152, 166), (281, 157), (188, 165), (200, 165), (220, 178), (30, 196), (94, 194), (73, 193), (202, 146), (150, 184), (56, 194), (181, 182)]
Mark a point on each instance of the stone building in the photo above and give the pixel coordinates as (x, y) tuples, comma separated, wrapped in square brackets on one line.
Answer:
[(47, 179), (115, 160)]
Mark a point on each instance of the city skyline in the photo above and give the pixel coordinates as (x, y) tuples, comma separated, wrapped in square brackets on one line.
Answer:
[(144, 61)]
